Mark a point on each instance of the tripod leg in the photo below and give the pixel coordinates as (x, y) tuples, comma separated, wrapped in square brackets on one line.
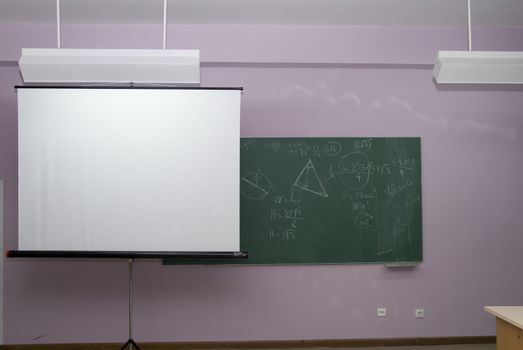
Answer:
[(127, 343), (131, 344), (135, 345)]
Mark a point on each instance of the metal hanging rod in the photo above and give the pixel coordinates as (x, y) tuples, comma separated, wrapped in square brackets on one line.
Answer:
[(58, 25), (164, 24), (469, 26)]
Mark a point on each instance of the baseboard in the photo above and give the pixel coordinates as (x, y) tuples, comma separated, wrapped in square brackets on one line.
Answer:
[(263, 344)]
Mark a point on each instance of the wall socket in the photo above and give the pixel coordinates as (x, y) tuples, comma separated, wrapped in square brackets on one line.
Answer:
[(381, 312), (420, 313)]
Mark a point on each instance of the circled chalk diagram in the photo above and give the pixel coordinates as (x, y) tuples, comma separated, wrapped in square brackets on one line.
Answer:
[(354, 170), (248, 146), (332, 148), (255, 185)]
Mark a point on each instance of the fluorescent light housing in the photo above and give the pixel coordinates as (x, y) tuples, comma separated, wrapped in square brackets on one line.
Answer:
[(110, 66), (479, 67)]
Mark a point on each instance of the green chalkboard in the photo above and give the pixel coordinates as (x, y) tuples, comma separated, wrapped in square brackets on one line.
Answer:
[(330, 200)]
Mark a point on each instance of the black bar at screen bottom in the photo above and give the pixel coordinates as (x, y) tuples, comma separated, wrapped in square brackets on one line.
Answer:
[(122, 254)]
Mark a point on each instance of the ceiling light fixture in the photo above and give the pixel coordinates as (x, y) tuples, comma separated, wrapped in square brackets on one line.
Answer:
[(110, 66), (478, 67), (58, 65)]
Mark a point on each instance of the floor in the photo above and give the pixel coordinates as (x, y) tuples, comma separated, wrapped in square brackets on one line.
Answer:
[(425, 347), (416, 347)]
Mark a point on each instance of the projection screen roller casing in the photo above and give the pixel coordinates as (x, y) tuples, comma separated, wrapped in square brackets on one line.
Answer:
[(129, 169)]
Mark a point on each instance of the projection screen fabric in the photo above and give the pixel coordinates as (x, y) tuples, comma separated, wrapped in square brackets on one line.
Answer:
[(129, 169)]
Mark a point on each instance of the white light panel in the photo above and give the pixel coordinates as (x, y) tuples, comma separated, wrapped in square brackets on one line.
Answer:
[(479, 67), (110, 66)]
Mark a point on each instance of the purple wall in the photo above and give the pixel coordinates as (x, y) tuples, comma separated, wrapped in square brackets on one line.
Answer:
[(472, 140)]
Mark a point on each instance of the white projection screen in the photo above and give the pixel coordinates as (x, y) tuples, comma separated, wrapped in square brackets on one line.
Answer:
[(129, 169)]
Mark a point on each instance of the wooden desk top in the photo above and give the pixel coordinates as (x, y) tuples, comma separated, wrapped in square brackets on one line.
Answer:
[(511, 314)]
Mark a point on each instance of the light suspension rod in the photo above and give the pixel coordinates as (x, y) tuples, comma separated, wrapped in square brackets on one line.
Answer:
[(164, 24), (58, 23), (469, 26)]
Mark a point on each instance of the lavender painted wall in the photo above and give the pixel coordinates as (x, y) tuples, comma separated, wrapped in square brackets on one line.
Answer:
[(472, 203), (266, 44)]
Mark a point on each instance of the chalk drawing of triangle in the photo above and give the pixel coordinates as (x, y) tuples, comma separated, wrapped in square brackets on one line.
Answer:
[(308, 180)]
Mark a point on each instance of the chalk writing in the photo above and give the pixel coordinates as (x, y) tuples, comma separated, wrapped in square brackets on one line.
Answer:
[(393, 190), (361, 200), (365, 144), (331, 199), (353, 170), (248, 146), (403, 163), (273, 146), (365, 220), (380, 169), (332, 148), (286, 214), (286, 235), (304, 150), (365, 204), (278, 199), (308, 180), (396, 239), (255, 185)]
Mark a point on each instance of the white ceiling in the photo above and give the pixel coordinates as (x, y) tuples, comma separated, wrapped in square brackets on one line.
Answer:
[(281, 12)]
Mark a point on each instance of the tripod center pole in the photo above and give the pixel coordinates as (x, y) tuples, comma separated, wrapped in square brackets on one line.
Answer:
[(130, 299)]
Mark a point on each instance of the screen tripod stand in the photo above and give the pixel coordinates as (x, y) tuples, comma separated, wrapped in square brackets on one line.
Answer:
[(130, 343)]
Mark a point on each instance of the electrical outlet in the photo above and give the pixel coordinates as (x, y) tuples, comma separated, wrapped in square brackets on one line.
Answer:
[(381, 312), (420, 313)]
